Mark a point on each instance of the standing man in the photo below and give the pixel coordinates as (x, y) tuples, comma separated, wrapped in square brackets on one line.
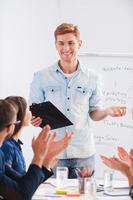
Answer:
[(75, 90)]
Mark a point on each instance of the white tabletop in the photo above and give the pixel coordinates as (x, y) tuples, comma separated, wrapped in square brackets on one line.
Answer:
[(47, 191)]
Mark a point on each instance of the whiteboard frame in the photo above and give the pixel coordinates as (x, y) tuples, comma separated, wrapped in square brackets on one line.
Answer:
[(95, 54)]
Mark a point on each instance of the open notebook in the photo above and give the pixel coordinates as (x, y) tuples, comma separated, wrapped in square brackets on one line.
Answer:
[(118, 192), (50, 114)]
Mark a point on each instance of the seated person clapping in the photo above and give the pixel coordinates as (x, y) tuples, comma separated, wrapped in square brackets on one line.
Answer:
[(45, 150), (124, 164)]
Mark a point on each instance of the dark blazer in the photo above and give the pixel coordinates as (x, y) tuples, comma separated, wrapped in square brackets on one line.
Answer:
[(24, 187), (131, 192)]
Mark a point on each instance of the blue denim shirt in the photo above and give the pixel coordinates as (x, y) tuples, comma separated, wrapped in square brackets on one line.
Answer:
[(14, 160), (76, 97)]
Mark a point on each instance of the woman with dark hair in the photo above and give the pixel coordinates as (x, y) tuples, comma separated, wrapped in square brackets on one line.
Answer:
[(14, 160)]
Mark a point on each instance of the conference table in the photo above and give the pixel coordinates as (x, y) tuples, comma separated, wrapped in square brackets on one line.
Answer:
[(47, 191)]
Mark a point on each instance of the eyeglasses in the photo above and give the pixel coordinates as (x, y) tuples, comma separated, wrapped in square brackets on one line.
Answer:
[(15, 123)]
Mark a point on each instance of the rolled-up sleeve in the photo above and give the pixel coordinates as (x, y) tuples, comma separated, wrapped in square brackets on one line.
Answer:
[(36, 93), (97, 96)]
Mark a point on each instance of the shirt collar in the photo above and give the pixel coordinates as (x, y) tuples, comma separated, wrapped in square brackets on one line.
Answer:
[(58, 69), (18, 143)]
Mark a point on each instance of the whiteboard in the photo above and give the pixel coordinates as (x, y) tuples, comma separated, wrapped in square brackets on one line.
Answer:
[(117, 77)]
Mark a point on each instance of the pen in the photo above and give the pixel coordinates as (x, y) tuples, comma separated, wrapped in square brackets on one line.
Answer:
[(101, 185), (48, 195), (73, 195), (93, 171), (49, 183), (99, 189), (78, 172)]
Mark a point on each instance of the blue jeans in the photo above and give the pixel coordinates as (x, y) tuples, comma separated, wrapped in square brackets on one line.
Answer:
[(75, 163)]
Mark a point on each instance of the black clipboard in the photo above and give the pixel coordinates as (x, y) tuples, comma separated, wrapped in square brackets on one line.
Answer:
[(50, 114)]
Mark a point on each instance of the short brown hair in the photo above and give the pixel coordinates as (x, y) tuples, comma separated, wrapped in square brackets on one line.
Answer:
[(67, 28), (7, 113), (21, 105)]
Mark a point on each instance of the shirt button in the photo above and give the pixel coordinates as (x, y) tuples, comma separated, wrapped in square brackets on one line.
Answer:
[(68, 87), (68, 98), (67, 109)]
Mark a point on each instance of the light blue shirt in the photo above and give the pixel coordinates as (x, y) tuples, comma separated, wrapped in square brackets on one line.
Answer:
[(75, 96)]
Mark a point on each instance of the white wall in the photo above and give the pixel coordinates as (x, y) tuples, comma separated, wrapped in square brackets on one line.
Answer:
[(27, 42), (26, 45)]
